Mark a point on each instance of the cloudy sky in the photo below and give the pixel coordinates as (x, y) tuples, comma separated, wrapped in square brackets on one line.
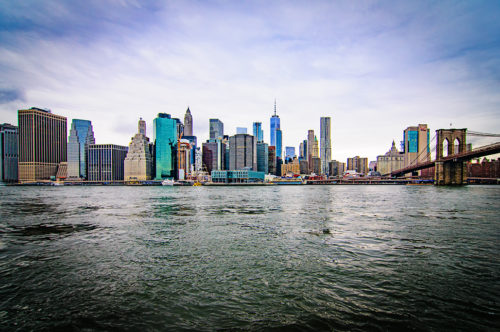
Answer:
[(373, 67)]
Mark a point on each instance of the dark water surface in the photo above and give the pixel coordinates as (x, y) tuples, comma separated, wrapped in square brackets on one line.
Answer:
[(204, 258)]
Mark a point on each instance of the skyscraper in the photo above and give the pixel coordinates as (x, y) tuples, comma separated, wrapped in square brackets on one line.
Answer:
[(213, 155), (357, 164), (242, 152), (105, 162), (325, 141), (310, 144), (137, 164), (188, 123), (8, 153), (258, 132), (42, 144), (80, 137), (279, 143), (241, 130), (262, 157), (216, 129), (165, 139), (275, 125), (416, 144), (289, 152)]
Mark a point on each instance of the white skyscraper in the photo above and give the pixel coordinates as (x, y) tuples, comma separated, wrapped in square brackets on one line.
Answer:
[(325, 143)]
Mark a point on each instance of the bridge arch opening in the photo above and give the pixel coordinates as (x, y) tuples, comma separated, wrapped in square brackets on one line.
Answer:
[(456, 146), (446, 144)]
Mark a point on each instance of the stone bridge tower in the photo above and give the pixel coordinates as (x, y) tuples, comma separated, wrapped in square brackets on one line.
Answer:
[(452, 171)]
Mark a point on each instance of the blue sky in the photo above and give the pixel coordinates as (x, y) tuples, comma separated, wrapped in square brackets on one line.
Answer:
[(374, 67)]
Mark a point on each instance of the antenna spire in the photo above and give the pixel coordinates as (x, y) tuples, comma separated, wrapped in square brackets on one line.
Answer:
[(274, 106)]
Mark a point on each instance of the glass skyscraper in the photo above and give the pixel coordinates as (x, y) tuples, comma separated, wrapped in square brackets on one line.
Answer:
[(258, 132), (165, 139), (275, 132), (279, 143), (216, 129), (325, 140), (80, 137)]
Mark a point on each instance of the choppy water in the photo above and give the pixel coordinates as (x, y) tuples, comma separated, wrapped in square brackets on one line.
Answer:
[(174, 258)]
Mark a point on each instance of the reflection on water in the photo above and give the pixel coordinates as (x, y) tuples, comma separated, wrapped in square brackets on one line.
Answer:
[(291, 258)]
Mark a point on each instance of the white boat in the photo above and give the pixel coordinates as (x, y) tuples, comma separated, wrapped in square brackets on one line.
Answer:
[(167, 182)]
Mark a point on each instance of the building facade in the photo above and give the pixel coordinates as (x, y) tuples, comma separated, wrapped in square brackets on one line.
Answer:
[(310, 145), (81, 135), (279, 143), (9, 155), (272, 159), (213, 155), (392, 160), (237, 176), (188, 123), (336, 168), (138, 163), (416, 142), (316, 165), (292, 167), (289, 153), (165, 140), (304, 167), (216, 129), (42, 144), (106, 162), (275, 125), (262, 157), (325, 137), (258, 132), (242, 152), (357, 164), (241, 130)]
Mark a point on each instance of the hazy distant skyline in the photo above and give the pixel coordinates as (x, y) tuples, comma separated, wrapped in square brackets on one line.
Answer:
[(373, 67)]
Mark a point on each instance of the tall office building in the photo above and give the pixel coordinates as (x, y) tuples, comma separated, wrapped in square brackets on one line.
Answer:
[(279, 143), (214, 155), (336, 168), (357, 164), (272, 164), (258, 132), (80, 137), (42, 144), (188, 123), (262, 157), (242, 152), (8, 153), (275, 126), (216, 129), (105, 162), (184, 166), (310, 144), (416, 144), (137, 164), (289, 153), (165, 140), (325, 141)]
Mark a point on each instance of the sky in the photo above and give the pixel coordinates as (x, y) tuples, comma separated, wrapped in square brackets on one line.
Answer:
[(374, 67)]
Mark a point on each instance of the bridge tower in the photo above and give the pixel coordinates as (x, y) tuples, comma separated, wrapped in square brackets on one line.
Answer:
[(450, 171)]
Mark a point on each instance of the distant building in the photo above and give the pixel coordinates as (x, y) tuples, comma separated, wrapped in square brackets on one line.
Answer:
[(316, 165), (304, 167), (289, 153), (213, 155), (241, 130), (262, 157), (391, 161), (360, 165), (293, 167), (258, 132), (484, 169), (216, 129), (279, 143), (9, 156), (198, 160), (325, 134), (165, 140), (336, 168), (275, 125), (237, 176), (272, 159), (80, 137), (137, 164), (194, 144), (310, 145), (242, 152), (42, 144), (106, 162), (188, 123), (372, 165), (416, 140), (184, 168)]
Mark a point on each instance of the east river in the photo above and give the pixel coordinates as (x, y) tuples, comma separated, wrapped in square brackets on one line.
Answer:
[(251, 258)]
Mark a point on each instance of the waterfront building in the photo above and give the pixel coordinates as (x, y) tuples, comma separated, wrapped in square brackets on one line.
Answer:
[(310, 144), (80, 137), (292, 167), (360, 165), (188, 123), (289, 153), (9, 155), (279, 162), (301, 150), (416, 142), (213, 155), (262, 157), (237, 176), (325, 143), (198, 161), (272, 159), (258, 132), (316, 165), (241, 130), (106, 162), (392, 160), (304, 166), (184, 168), (336, 168), (165, 139), (216, 129), (242, 152), (137, 164), (42, 144), (275, 134)]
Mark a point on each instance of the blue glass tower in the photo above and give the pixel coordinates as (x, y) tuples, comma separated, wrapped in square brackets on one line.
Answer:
[(279, 143), (275, 126), (80, 137), (258, 132), (165, 139)]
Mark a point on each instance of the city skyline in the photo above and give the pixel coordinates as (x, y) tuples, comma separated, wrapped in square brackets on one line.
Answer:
[(375, 68)]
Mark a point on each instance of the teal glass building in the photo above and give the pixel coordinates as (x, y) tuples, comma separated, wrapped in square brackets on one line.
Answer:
[(165, 139)]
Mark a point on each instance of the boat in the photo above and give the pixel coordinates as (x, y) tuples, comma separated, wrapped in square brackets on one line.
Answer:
[(183, 183), (167, 182), (197, 184)]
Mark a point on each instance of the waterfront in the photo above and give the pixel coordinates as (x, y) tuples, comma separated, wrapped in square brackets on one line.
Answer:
[(204, 258)]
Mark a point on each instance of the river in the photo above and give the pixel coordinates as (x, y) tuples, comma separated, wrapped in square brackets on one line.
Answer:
[(253, 258)]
